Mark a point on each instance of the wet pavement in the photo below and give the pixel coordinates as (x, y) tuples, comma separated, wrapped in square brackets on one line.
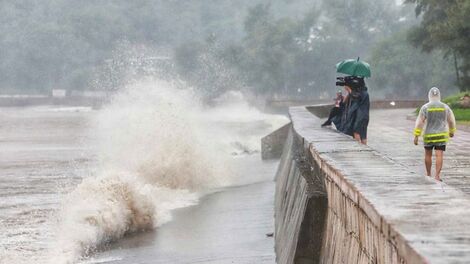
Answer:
[(391, 133), (411, 217)]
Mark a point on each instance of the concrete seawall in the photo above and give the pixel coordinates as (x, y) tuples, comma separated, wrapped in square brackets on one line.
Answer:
[(341, 202)]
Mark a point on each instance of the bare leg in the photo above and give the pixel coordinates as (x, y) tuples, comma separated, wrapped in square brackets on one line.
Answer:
[(357, 137), (428, 161), (439, 162)]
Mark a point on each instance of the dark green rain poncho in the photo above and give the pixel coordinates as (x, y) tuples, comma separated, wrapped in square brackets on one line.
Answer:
[(355, 117)]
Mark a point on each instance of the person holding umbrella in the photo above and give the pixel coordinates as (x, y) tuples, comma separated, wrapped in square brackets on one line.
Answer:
[(355, 107)]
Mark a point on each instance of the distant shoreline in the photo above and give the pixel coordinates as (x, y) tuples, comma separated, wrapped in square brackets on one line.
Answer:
[(36, 100)]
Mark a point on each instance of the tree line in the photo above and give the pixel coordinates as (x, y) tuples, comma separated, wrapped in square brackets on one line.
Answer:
[(280, 49), (295, 56)]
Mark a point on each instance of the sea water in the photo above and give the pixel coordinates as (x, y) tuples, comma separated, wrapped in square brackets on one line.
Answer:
[(74, 179)]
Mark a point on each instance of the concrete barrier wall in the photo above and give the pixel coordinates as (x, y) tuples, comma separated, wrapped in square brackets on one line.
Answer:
[(291, 200), (316, 222), (273, 144), (341, 202)]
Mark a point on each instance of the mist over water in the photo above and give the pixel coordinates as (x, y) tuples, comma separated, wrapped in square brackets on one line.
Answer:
[(157, 149), (154, 157)]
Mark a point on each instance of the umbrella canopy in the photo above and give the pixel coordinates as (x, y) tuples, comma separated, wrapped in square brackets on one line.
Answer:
[(354, 68)]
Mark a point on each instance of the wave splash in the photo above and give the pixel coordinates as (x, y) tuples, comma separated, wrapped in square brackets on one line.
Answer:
[(156, 153)]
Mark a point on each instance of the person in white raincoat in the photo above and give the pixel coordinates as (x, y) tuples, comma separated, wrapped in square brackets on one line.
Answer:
[(438, 122)]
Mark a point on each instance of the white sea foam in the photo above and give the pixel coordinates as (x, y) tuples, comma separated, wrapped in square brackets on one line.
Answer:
[(100, 260), (157, 131), (108, 207), (155, 155), (242, 125), (158, 149), (66, 109)]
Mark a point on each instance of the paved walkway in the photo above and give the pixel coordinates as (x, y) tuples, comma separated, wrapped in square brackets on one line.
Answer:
[(426, 221), (392, 134)]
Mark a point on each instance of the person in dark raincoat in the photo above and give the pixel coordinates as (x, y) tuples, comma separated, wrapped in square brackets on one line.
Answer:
[(355, 110), (335, 112)]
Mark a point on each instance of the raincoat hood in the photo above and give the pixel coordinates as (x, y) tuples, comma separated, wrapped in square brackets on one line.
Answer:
[(434, 95)]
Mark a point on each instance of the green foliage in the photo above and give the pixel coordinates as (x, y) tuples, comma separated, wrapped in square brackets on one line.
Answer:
[(272, 59), (454, 100), (445, 26), (363, 20), (400, 70), (207, 67), (59, 44), (296, 57), (286, 48), (462, 114), (269, 50), (62, 44)]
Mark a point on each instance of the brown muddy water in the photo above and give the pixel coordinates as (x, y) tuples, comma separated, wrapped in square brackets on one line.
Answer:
[(82, 186)]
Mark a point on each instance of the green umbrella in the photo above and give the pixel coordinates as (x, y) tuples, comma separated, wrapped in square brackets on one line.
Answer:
[(354, 68)]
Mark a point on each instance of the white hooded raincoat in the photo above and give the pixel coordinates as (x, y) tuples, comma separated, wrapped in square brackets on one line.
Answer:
[(437, 119)]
